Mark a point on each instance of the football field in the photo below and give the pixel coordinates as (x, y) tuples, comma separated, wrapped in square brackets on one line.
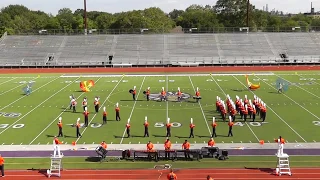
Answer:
[(33, 119)]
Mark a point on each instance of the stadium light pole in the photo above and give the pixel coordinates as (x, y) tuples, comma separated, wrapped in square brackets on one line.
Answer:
[(85, 18)]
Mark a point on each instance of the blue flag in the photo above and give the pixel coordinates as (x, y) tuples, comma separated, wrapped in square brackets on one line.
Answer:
[(285, 84)]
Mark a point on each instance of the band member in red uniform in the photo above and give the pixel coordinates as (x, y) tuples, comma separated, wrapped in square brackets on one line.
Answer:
[(254, 112), (146, 127), (78, 126), (191, 128), (86, 117), (245, 112), (179, 94), (117, 112), (214, 125), (72, 98), (168, 125), (148, 93), (128, 128), (96, 104), (197, 95), (74, 104), (163, 94), (84, 103), (60, 134), (134, 92), (104, 116), (230, 124)]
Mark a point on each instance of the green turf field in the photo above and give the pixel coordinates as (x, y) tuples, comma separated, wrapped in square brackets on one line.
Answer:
[(32, 119)]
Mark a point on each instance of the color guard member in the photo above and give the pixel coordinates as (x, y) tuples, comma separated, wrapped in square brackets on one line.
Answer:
[(96, 104), (148, 94), (179, 94), (84, 103), (78, 126), (2, 165), (146, 127), (214, 125), (56, 147), (230, 124), (86, 117), (186, 148), (128, 128), (172, 176), (104, 116), (168, 125), (167, 148), (134, 92), (60, 134), (280, 88), (117, 112), (191, 128)]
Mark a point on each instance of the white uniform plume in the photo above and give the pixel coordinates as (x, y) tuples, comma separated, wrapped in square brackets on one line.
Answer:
[(213, 119), (230, 119), (85, 108), (117, 105), (191, 121), (178, 88), (145, 119), (148, 88), (128, 121), (162, 88), (168, 120), (134, 87), (104, 109), (197, 89)]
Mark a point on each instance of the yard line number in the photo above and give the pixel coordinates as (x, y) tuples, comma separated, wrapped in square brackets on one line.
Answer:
[(255, 124), (16, 126), (161, 125), (317, 123)]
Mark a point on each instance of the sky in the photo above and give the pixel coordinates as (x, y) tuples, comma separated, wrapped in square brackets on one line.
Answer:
[(113, 6)]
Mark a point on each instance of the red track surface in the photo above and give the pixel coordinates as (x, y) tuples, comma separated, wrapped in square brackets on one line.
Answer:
[(184, 174)]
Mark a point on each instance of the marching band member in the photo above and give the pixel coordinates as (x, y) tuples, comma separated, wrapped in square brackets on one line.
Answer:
[(104, 145), (280, 88), (84, 103), (96, 104), (146, 127), (245, 112), (134, 93), (73, 104), (250, 109), (60, 134), (104, 116), (281, 143), (254, 112), (71, 98), (263, 112), (163, 94), (78, 126), (218, 104), (186, 148), (172, 175), (211, 142), (230, 124), (117, 112), (86, 117), (150, 146), (128, 128), (214, 125), (191, 128), (168, 125), (56, 147), (237, 103), (246, 99), (197, 94), (167, 148), (179, 94), (148, 93), (223, 111), (258, 105)]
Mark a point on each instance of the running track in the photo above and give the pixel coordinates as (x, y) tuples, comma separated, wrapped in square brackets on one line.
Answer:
[(184, 174)]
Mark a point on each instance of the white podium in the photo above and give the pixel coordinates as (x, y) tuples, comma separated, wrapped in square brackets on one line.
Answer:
[(56, 166), (283, 166)]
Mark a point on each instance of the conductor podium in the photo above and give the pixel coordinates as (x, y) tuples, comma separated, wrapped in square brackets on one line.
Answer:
[(283, 166), (56, 166)]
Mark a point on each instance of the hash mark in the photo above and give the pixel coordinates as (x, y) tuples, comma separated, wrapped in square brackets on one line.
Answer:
[(84, 142), (268, 141), (129, 142), (48, 143), (249, 141), (240, 141), (11, 143), (296, 141), (176, 142), (38, 143), (222, 141), (139, 142), (93, 143), (20, 143), (111, 143), (195, 142), (2, 143), (314, 141)]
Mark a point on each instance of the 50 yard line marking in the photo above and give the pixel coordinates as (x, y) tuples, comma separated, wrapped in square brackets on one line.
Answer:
[(226, 96), (135, 102), (273, 111), (204, 116), (26, 95), (38, 106), (291, 99), (101, 107), (58, 116)]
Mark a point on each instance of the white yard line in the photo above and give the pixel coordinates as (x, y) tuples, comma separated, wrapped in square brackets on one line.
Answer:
[(14, 88), (204, 116), (101, 106), (254, 134), (28, 96), (299, 87), (291, 99), (37, 106), (57, 117), (8, 81), (135, 102), (274, 112)]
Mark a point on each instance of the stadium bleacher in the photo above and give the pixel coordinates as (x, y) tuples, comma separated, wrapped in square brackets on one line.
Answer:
[(174, 49)]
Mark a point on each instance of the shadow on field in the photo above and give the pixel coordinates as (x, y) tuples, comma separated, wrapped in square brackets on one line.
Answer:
[(265, 170), (120, 137), (92, 159), (238, 90), (182, 137), (273, 92), (138, 136), (50, 135), (189, 101), (131, 100), (203, 136), (40, 171), (159, 136)]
